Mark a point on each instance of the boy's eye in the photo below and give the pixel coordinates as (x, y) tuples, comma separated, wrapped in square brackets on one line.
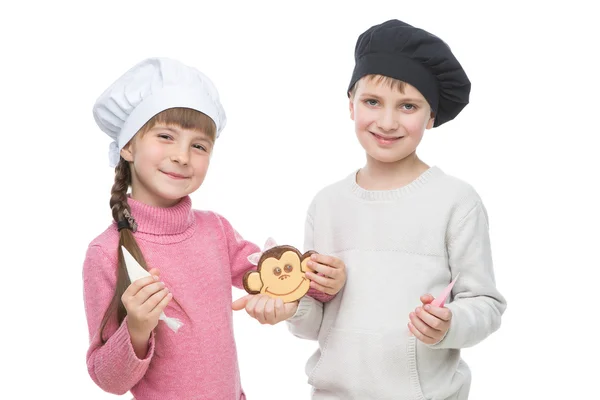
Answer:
[(371, 102), (409, 107), (164, 136), (199, 147)]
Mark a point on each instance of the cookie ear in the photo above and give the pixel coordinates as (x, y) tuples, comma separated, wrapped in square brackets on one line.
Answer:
[(304, 263), (252, 282)]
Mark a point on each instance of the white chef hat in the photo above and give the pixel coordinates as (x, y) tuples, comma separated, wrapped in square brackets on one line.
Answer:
[(152, 86)]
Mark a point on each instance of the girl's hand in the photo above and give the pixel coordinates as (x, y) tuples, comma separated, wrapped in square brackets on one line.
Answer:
[(331, 276), (429, 324), (265, 308), (144, 300)]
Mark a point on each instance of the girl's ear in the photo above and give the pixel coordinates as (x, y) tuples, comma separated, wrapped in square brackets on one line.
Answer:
[(127, 152)]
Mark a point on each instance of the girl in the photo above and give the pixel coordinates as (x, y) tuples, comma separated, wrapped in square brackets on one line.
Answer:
[(164, 118)]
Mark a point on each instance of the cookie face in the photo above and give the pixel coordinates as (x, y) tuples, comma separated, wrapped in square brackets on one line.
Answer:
[(280, 274)]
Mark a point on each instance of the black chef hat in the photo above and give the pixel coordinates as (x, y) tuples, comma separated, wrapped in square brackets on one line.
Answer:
[(398, 50)]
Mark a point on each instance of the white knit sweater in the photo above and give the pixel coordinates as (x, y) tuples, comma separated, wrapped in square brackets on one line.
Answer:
[(398, 245)]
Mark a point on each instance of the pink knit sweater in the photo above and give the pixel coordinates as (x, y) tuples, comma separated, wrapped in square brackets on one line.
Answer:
[(199, 256)]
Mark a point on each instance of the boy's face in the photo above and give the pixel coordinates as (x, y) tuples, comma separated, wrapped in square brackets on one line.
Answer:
[(389, 124), (167, 163)]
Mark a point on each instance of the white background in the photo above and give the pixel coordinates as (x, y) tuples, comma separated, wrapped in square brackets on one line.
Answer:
[(528, 142)]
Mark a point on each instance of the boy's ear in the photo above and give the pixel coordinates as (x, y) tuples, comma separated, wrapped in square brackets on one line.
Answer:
[(126, 152), (351, 107), (431, 121)]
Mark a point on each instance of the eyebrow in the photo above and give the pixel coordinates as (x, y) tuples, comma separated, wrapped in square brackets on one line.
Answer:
[(197, 136), (403, 100), (410, 100), (165, 128)]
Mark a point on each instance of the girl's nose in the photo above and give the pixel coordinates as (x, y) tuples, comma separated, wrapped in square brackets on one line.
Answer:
[(181, 157)]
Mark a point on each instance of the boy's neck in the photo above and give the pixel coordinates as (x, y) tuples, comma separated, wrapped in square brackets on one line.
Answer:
[(378, 175)]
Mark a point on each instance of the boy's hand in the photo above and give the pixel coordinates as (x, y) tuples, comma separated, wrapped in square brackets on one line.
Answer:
[(265, 308), (331, 276), (429, 324)]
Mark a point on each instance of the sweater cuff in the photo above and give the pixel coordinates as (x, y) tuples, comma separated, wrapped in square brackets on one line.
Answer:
[(304, 306), (119, 356), (320, 296), (122, 337)]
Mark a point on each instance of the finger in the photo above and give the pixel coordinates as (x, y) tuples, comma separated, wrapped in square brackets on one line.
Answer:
[(270, 311), (426, 298), (144, 294), (422, 326), (322, 269), (442, 313), (259, 309), (322, 288), (333, 262), (278, 314), (240, 303), (321, 280), (251, 304), (154, 271), (138, 285), (419, 335), (160, 307), (431, 320), (149, 305)]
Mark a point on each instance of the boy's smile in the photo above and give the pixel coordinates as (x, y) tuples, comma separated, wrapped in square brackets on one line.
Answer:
[(386, 140)]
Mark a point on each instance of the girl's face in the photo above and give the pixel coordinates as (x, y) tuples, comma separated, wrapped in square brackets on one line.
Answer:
[(167, 163)]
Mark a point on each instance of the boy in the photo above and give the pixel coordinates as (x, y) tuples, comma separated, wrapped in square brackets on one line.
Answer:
[(403, 229)]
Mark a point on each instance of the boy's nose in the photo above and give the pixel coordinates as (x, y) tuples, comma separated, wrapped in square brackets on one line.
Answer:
[(387, 122)]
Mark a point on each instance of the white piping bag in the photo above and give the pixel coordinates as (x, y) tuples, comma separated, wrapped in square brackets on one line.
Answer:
[(136, 271)]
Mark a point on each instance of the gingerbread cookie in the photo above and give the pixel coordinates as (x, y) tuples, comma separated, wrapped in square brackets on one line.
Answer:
[(280, 272)]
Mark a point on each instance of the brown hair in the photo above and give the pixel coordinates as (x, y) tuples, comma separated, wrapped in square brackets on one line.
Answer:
[(186, 119), (393, 83)]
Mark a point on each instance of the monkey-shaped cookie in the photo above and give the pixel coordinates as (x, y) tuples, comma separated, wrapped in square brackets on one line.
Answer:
[(280, 272)]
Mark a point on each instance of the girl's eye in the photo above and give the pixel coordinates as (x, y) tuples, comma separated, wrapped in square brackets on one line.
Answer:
[(288, 268), (409, 107), (164, 136), (277, 271), (371, 102)]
